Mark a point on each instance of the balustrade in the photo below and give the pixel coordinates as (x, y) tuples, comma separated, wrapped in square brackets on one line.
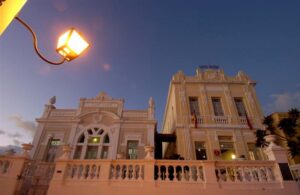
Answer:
[(223, 120), (83, 169), (126, 170), (245, 172), (178, 171)]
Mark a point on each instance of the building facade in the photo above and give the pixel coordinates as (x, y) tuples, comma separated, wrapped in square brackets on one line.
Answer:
[(213, 116), (100, 128)]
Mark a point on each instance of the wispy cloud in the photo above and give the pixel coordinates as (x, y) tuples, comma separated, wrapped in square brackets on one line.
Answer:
[(17, 142), (28, 126), (284, 102), (15, 135), (2, 132), (106, 67)]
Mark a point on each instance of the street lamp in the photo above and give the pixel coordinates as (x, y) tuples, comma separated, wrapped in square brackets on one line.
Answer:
[(70, 44)]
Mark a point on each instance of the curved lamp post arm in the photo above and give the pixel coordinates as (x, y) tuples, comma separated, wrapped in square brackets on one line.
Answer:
[(35, 43)]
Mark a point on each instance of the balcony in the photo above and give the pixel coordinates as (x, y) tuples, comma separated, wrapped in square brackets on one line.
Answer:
[(222, 120)]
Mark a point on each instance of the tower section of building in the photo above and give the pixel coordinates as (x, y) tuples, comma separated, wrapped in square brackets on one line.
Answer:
[(213, 116)]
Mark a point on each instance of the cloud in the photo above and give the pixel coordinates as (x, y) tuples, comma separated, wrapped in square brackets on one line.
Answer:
[(106, 67), (2, 132), (17, 142), (284, 102), (28, 126), (15, 135)]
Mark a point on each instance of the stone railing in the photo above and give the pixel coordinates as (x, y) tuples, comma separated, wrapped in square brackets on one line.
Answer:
[(71, 176), (200, 120), (245, 171), (126, 170), (243, 120), (83, 170), (178, 171), (222, 120)]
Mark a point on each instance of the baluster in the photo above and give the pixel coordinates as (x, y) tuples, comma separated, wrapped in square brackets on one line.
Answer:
[(142, 172), (79, 172), (226, 174), (158, 173), (74, 170), (167, 173), (119, 172), (190, 173), (112, 172), (135, 174), (130, 171), (176, 173), (183, 174), (98, 171), (258, 176), (126, 172)]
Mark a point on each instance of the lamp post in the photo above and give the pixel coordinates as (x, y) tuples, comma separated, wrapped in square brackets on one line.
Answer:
[(70, 44)]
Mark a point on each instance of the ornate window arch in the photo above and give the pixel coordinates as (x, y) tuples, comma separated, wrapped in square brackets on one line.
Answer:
[(93, 143)]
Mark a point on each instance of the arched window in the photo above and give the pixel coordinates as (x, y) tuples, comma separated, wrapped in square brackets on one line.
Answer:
[(92, 144)]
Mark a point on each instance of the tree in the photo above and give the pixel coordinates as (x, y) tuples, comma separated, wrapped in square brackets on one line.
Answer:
[(269, 122), (288, 126)]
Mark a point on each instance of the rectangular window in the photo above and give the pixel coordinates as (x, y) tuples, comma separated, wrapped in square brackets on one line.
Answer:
[(194, 106), (217, 106), (104, 153), (240, 106), (91, 152), (226, 147), (200, 151), (132, 149)]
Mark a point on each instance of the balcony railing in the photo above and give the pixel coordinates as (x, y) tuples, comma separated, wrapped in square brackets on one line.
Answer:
[(71, 176), (222, 120), (78, 170), (260, 171), (178, 171), (243, 120)]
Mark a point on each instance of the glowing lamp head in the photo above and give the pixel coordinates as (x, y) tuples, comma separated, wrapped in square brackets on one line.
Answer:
[(71, 44), (233, 156)]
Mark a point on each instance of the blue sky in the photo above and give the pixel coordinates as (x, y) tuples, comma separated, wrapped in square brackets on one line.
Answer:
[(137, 45)]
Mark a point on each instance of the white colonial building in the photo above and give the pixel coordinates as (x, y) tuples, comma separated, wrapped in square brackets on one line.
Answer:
[(100, 128)]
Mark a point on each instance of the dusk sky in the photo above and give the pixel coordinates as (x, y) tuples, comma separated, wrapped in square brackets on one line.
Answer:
[(136, 47)]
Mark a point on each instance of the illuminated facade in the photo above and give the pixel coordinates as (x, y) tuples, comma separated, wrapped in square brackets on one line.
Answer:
[(213, 116), (100, 128)]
